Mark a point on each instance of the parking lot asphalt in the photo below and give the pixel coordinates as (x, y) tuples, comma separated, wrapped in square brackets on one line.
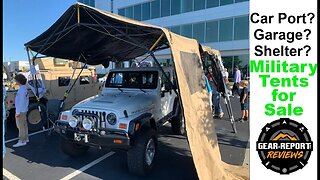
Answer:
[(43, 159)]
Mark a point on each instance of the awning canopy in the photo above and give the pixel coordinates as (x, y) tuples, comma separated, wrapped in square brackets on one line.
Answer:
[(96, 35), (99, 37)]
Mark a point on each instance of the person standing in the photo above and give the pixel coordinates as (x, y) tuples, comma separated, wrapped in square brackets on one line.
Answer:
[(218, 112), (226, 74), (237, 80), (244, 101), (209, 90), (3, 121), (22, 103), (217, 107)]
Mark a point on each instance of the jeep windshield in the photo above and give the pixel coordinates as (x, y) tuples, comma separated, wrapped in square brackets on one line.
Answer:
[(133, 79)]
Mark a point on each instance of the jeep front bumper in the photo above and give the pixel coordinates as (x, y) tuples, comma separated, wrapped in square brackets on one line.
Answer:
[(111, 139)]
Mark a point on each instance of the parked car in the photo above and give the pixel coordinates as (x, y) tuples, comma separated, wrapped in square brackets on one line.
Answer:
[(133, 105), (56, 75)]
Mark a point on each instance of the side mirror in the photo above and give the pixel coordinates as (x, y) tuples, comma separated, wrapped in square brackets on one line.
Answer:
[(166, 87)]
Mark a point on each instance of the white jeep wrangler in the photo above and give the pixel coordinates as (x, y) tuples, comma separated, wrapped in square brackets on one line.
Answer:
[(133, 105)]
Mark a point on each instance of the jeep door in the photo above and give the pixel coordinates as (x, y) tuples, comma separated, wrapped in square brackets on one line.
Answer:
[(167, 94)]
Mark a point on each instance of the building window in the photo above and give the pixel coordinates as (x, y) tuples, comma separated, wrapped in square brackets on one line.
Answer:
[(175, 7), (146, 11), (199, 4), (198, 32), (225, 2), (92, 3), (212, 3), (175, 29), (186, 30), (229, 64), (212, 31), (216, 31), (241, 61), (63, 81), (165, 8), (88, 2), (137, 12), (129, 12), (187, 6), (155, 9), (241, 28), (226, 30), (122, 12), (237, 1)]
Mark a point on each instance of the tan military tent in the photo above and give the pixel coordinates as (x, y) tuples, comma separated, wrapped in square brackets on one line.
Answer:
[(97, 37)]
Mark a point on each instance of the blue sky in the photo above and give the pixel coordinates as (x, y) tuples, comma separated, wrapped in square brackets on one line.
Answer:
[(23, 20)]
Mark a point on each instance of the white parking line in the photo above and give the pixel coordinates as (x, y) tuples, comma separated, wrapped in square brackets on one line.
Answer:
[(88, 166), (38, 132), (9, 175), (246, 160)]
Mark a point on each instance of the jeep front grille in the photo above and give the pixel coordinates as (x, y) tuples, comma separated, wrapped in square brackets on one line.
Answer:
[(102, 117)]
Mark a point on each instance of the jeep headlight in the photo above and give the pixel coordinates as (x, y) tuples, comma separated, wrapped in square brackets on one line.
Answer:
[(87, 123), (112, 118), (73, 122)]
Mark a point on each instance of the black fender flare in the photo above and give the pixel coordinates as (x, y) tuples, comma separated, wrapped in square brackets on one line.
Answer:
[(145, 121)]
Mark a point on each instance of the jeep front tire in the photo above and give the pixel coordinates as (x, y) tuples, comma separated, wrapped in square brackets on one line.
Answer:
[(141, 156), (73, 149)]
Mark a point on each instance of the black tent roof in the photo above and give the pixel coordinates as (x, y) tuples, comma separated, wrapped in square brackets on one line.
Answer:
[(96, 35)]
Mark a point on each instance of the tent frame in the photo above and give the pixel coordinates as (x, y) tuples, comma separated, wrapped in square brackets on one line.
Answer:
[(150, 51), (70, 86), (226, 98)]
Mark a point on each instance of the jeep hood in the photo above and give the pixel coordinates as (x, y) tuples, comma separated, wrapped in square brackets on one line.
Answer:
[(132, 102)]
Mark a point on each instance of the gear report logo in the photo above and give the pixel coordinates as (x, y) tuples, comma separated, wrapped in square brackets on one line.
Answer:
[(284, 146)]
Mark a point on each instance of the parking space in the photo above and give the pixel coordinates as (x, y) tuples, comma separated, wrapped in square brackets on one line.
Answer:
[(43, 159)]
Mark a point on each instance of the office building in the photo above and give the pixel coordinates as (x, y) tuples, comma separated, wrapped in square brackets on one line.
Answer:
[(220, 24)]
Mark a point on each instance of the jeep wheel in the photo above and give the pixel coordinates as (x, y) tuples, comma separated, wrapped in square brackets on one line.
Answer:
[(35, 119), (73, 149), (178, 125), (141, 156)]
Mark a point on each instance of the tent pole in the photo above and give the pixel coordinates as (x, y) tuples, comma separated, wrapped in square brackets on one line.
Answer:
[(156, 43), (34, 77), (225, 95), (226, 98), (165, 75), (46, 42), (71, 87), (157, 62), (78, 14), (134, 42)]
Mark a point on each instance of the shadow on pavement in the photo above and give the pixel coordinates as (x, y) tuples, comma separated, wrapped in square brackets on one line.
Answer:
[(43, 155)]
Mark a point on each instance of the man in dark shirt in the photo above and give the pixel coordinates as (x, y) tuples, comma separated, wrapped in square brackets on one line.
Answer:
[(244, 102)]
